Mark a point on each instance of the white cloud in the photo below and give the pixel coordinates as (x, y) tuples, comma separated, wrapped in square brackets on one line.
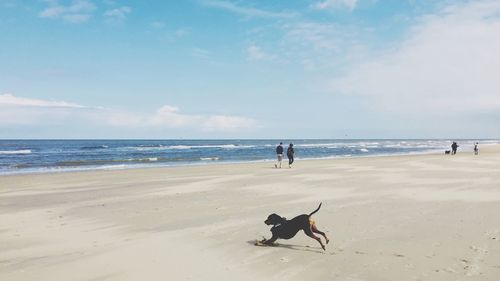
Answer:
[(170, 117), (223, 122), (311, 45), (76, 18), (315, 36), (335, 4), (256, 53), (449, 63), (11, 100), (118, 14), (246, 11), (77, 12), (26, 111), (321, 45)]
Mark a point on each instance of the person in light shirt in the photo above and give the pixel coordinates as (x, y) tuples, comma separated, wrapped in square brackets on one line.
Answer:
[(279, 154)]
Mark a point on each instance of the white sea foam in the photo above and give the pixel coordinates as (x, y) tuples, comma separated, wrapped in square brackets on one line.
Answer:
[(340, 145), (178, 147), (22, 151), (185, 147), (226, 146), (392, 145), (209, 158), (145, 148), (323, 145)]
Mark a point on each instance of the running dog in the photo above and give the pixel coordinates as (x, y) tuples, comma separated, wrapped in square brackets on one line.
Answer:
[(286, 229)]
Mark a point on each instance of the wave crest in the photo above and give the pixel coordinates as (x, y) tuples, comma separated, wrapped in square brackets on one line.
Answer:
[(22, 151)]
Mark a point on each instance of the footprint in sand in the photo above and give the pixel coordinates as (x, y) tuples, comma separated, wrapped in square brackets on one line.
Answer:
[(493, 235), (468, 267), (472, 267)]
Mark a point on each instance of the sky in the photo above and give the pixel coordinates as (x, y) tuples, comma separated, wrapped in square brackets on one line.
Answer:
[(249, 69)]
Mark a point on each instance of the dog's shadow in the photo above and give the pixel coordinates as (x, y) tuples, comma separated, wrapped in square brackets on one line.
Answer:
[(290, 247)]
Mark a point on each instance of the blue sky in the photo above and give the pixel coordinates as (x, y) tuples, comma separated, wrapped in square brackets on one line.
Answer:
[(249, 69)]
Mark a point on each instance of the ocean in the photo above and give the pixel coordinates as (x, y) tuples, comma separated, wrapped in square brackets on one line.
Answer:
[(39, 156)]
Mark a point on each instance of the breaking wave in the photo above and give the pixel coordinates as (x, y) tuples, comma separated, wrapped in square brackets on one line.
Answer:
[(22, 151)]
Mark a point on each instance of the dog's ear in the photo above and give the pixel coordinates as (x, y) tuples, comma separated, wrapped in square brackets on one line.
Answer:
[(273, 219)]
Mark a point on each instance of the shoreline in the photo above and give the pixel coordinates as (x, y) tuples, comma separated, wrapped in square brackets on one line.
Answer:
[(208, 163), (93, 155)]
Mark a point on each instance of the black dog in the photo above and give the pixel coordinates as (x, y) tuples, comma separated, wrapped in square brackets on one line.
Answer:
[(286, 229)]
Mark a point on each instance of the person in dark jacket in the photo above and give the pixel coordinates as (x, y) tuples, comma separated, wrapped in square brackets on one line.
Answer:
[(289, 153), (454, 147), (279, 154)]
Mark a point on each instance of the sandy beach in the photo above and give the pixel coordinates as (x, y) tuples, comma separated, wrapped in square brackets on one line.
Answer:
[(406, 218)]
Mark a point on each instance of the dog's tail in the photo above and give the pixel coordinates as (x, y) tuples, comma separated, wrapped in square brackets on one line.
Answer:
[(315, 210)]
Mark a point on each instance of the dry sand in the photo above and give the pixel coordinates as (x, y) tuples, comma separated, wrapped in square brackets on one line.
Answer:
[(424, 217)]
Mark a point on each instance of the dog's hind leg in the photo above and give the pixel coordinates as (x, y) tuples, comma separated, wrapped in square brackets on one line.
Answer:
[(316, 230), (308, 232)]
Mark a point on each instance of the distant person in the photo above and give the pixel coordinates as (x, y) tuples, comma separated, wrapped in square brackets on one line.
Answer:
[(454, 147), (279, 153), (476, 148), (289, 154)]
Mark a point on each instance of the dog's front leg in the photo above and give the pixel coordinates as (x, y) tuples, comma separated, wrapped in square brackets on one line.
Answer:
[(270, 241)]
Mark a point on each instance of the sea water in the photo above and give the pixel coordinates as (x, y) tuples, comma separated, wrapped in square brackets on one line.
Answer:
[(28, 156)]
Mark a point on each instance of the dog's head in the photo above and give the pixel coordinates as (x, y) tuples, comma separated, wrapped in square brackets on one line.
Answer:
[(274, 219)]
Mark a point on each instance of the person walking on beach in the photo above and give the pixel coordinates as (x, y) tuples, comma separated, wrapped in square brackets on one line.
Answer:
[(454, 147), (476, 148), (279, 153), (289, 154)]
